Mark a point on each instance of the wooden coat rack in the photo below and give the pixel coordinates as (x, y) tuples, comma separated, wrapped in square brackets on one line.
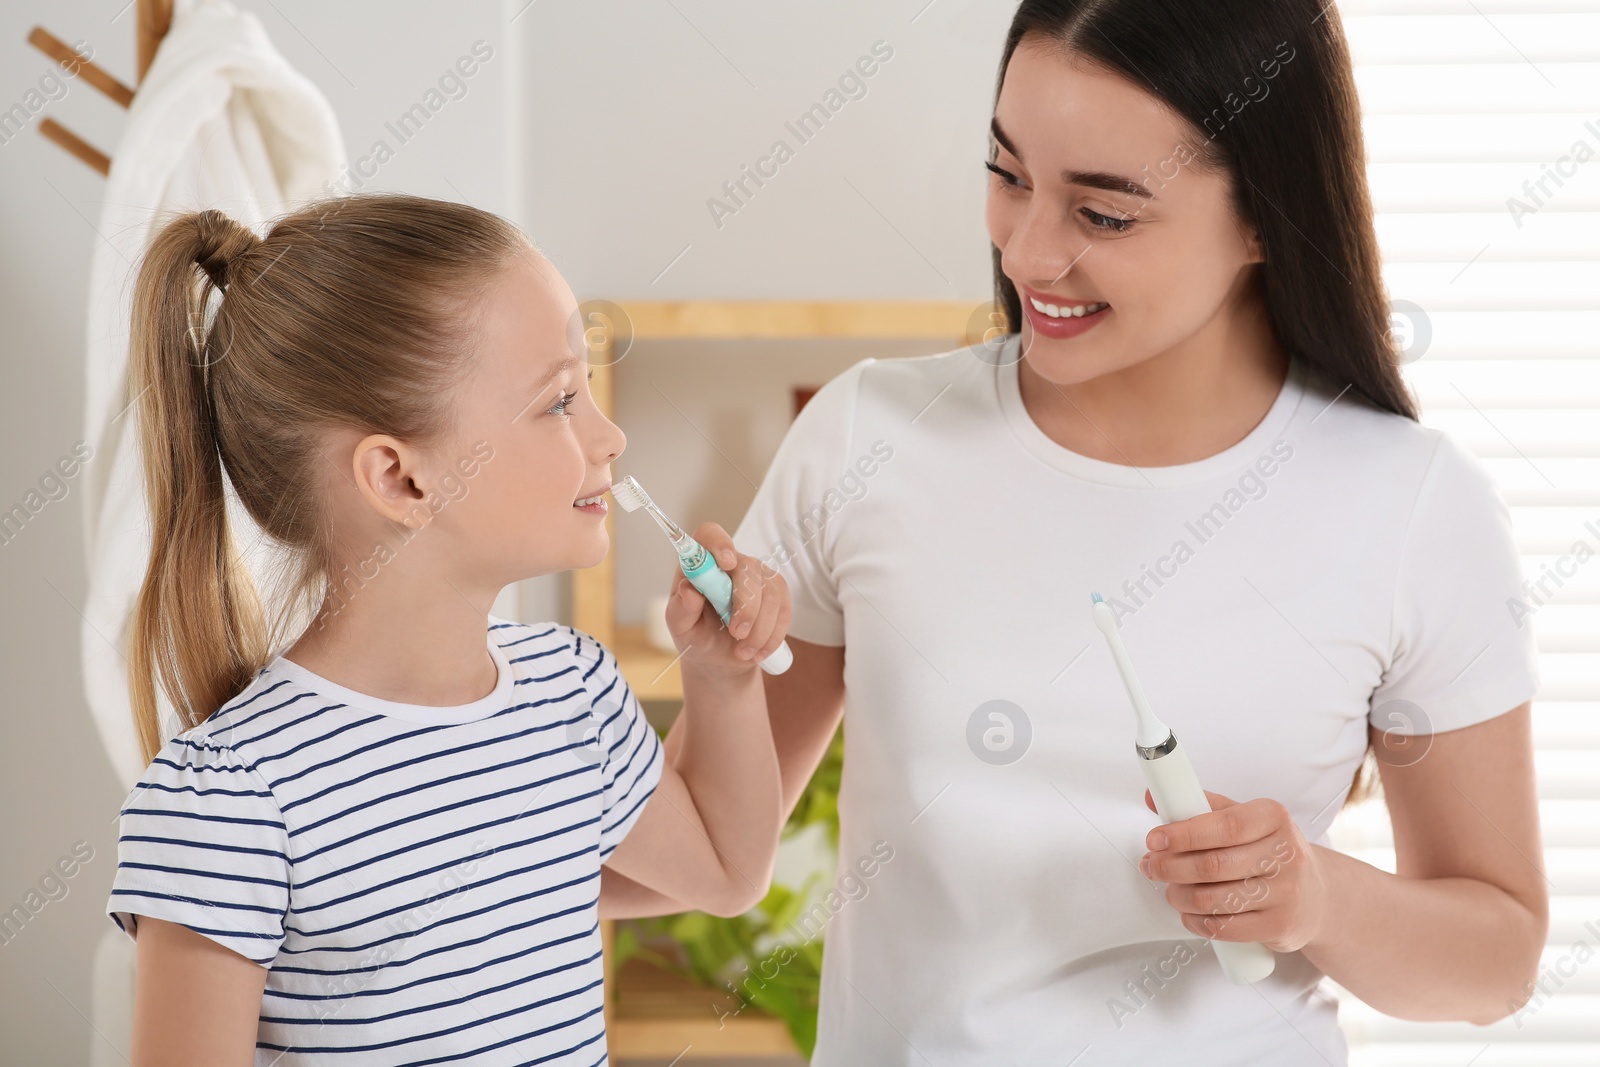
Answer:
[(154, 18)]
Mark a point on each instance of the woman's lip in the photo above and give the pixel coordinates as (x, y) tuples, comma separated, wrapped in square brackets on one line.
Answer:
[(1045, 326), (1046, 298)]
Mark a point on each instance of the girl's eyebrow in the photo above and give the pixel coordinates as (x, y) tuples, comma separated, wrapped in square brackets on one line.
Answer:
[(553, 373)]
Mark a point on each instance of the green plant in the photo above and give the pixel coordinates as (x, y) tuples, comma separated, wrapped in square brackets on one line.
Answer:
[(749, 955)]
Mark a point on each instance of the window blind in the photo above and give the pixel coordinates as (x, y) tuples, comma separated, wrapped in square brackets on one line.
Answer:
[(1482, 125)]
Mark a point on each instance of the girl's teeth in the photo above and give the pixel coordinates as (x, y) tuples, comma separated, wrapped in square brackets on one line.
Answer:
[(586, 501), (1077, 311)]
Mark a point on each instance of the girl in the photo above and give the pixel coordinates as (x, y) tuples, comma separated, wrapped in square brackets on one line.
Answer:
[(383, 843), (1197, 413)]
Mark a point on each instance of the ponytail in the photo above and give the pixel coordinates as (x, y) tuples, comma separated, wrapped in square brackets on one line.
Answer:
[(197, 625)]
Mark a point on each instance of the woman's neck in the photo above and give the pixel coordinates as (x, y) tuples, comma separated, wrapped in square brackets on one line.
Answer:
[(1179, 406)]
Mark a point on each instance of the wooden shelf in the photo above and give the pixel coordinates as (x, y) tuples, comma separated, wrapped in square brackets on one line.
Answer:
[(655, 1013), (787, 318), (651, 673)]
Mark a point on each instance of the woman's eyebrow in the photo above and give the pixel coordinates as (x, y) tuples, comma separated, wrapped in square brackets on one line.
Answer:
[(1093, 179)]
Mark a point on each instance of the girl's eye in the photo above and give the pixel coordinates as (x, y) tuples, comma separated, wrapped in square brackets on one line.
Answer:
[(561, 405), (1106, 222), (1006, 177)]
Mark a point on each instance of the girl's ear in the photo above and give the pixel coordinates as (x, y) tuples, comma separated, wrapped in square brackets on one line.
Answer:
[(386, 472)]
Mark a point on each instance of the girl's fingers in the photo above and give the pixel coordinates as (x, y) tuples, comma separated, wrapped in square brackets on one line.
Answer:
[(781, 630), (747, 597), (684, 606), (762, 634)]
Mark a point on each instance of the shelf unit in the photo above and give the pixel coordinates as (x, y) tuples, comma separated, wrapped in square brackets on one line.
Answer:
[(650, 1013)]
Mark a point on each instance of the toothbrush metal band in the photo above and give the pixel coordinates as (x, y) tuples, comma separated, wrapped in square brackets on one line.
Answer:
[(1157, 751)]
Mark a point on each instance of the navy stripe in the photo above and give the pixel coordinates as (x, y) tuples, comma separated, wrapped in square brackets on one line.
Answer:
[(229, 905), (206, 845), (412, 905), (445, 976), (646, 732), (229, 709), (530, 637), (435, 783), (606, 830), (197, 766), (453, 834), (444, 922), (275, 785), (178, 814), (368, 1020), (538, 655), (195, 872), (457, 946), (482, 1020), (354, 724), (163, 787), (297, 697)]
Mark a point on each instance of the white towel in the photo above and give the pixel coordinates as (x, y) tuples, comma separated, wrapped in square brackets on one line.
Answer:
[(220, 121)]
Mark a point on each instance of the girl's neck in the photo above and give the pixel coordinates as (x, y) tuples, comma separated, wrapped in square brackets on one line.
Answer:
[(438, 658), (1180, 406)]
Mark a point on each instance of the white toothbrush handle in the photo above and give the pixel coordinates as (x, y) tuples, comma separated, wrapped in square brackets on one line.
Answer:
[(1177, 793), (714, 583)]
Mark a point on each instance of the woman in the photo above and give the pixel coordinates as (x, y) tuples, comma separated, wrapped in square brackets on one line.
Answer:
[(1199, 416)]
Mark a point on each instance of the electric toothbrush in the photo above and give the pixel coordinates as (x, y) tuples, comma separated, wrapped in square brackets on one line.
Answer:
[(698, 564), (1176, 791)]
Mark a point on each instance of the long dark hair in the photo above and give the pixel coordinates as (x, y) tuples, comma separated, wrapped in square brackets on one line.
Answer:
[(1296, 164)]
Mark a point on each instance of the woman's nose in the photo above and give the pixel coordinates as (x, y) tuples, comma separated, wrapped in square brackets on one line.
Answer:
[(1041, 250)]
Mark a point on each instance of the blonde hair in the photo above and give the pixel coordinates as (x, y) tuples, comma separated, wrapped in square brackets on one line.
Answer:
[(353, 312)]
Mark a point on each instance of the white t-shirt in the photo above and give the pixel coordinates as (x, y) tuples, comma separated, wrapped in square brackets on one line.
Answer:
[(1338, 565), (421, 882)]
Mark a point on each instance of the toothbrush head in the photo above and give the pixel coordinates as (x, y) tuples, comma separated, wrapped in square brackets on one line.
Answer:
[(1104, 617), (630, 494)]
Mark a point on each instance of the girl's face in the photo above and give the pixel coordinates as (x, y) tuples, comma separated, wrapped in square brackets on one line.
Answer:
[(1094, 200), (526, 406)]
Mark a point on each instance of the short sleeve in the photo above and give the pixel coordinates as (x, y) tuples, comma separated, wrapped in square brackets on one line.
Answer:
[(201, 843), (786, 526), (631, 752), (1461, 651)]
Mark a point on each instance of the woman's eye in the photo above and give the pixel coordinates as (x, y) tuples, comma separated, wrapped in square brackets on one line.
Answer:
[(1005, 176), (561, 405), (1106, 222)]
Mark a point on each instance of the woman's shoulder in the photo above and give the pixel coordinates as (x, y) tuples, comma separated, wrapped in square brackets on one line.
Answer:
[(1385, 448)]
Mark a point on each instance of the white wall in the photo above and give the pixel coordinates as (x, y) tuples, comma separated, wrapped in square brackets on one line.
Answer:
[(603, 128)]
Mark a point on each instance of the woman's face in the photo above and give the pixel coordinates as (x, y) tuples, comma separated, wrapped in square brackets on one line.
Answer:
[(1099, 203)]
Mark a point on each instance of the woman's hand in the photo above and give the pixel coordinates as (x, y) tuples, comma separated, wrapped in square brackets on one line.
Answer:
[(758, 617), (1240, 872)]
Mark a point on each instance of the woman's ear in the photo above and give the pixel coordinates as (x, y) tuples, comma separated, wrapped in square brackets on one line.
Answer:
[(1252, 244)]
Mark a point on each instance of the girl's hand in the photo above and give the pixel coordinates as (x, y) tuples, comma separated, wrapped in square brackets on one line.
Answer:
[(1240, 872), (758, 617)]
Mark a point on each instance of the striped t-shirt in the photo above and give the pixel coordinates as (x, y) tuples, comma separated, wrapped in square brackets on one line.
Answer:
[(421, 882)]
